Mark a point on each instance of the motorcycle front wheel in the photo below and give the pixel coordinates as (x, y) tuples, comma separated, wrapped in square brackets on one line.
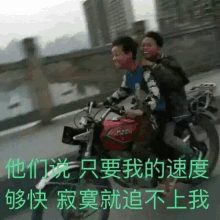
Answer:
[(68, 186)]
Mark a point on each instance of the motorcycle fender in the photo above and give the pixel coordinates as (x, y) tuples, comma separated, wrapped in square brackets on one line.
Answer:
[(53, 172), (209, 114)]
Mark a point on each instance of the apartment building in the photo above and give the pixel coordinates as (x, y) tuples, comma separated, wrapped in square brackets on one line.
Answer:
[(120, 16), (97, 24), (177, 15), (108, 19)]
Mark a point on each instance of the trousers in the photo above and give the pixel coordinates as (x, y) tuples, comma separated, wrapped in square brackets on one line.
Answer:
[(175, 142), (144, 136)]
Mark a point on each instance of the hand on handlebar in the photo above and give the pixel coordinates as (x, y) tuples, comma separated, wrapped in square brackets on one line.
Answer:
[(112, 106), (130, 113), (118, 110)]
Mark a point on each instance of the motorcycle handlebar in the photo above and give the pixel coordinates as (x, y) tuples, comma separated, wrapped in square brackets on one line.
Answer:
[(95, 104), (115, 109), (118, 110)]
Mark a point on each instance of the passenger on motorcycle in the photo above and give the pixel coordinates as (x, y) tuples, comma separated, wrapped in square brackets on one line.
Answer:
[(140, 83), (172, 80)]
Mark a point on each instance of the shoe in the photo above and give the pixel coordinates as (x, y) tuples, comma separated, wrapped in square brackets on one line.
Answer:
[(167, 186)]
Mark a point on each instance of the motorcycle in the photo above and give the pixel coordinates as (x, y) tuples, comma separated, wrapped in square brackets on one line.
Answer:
[(113, 139)]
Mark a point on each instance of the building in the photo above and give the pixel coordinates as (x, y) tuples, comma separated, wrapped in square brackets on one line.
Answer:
[(95, 13), (147, 24), (120, 16), (108, 19), (179, 15)]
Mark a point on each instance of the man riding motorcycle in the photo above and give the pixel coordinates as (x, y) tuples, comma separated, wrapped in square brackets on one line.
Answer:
[(142, 85), (172, 80)]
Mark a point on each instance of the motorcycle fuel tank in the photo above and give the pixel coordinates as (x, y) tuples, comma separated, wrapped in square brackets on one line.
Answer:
[(117, 134)]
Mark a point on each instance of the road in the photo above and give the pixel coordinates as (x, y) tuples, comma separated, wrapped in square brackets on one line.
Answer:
[(46, 143)]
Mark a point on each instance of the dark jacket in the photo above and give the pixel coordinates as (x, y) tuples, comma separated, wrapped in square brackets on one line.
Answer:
[(172, 80)]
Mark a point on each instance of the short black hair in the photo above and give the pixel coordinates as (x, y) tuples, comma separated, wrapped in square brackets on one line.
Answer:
[(128, 45), (156, 36)]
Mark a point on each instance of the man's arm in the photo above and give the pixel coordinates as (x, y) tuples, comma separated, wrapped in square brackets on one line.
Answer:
[(169, 73), (152, 99), (122, 93)]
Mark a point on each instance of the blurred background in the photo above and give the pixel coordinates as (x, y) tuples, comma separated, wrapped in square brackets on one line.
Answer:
[(72, 41)]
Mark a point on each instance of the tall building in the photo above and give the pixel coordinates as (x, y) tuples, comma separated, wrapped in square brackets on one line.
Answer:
[(95, 13), (147, 24), (120, 16), (107, 19), (178, 15)]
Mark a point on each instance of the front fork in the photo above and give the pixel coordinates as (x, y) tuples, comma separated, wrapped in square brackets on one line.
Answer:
[(78, 199), (88, 137)]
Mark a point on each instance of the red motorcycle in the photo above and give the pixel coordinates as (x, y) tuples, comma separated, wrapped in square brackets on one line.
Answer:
[(114, 139)]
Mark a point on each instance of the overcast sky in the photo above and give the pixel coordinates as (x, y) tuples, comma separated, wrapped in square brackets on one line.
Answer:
[(49, 19)]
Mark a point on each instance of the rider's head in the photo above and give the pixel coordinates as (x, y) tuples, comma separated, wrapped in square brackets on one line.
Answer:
[(124, 51), (151, 44)]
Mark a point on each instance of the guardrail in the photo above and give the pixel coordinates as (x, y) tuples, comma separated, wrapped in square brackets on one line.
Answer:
[(72, 57)]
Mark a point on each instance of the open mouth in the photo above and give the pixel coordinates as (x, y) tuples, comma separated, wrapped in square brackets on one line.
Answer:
[(145, 52)]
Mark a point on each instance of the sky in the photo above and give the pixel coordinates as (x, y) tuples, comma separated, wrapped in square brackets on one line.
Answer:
[(50, 19)]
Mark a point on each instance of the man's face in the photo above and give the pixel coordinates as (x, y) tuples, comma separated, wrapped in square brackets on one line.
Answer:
[(119, 57), (149, 47)]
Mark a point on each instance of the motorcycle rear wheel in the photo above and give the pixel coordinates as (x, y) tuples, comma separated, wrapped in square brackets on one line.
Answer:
[(213, 149)]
